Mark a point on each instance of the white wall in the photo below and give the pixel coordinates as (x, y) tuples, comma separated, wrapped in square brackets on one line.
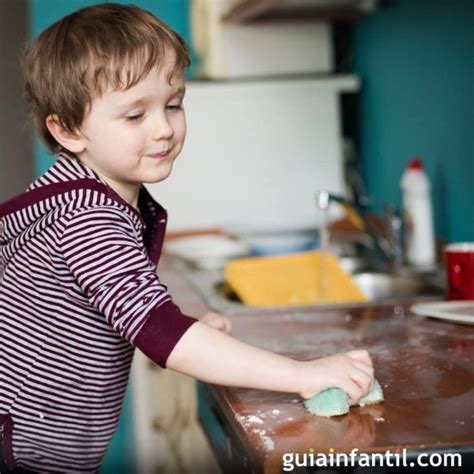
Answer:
[(256, 153)]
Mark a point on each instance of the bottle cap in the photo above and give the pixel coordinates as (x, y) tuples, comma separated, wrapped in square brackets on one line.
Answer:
[(416, 163)]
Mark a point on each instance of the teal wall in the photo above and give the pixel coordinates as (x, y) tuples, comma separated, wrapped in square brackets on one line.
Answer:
[(42, 13), (416, 61)]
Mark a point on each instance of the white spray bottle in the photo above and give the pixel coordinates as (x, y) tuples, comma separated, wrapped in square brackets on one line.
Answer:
[(420, 240)]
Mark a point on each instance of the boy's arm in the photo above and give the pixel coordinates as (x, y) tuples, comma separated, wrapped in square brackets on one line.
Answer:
[(211, 356), (110, 266)]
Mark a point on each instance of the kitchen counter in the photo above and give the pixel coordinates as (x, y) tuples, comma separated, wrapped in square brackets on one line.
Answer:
[(425, 366)]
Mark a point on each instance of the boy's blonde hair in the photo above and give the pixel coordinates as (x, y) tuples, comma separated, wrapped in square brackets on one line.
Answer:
[(75, 59)]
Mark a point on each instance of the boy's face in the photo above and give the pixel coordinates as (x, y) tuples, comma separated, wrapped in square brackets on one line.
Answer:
[(133, 136)]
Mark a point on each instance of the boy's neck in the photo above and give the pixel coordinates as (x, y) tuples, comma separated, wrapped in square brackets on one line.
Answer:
[(128, 192)]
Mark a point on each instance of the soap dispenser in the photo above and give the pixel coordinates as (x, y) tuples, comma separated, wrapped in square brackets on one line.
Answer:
[(420, 241)]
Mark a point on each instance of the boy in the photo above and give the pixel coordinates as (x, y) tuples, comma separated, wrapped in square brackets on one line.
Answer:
[(80, 247)]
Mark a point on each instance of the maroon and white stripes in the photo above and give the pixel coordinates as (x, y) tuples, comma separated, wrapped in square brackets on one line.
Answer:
[(79, 291)]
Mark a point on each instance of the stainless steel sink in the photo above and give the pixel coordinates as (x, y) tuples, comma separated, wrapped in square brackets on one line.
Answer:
[(378, 286), (383, 286)]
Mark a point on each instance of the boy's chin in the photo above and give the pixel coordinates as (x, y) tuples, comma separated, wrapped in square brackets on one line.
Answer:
[(158, 176)]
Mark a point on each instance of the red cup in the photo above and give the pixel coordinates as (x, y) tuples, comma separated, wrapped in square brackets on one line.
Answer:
[(459, 261)]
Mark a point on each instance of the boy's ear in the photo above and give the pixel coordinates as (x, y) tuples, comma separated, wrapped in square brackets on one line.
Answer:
[(71, 141)]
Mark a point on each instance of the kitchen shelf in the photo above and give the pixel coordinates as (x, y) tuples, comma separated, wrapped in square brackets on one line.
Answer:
[(247, 11)]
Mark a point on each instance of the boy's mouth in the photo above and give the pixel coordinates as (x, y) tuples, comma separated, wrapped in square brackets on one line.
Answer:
[(160, 155)]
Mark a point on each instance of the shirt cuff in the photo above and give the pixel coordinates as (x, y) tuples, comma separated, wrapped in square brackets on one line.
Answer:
[(161, 332)]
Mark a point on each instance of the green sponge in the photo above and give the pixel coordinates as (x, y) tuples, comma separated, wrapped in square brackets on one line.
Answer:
[(329, 402), (334, 401), (374, 396)]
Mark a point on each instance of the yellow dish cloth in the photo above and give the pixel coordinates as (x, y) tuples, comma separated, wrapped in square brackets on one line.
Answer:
[(298, 279)]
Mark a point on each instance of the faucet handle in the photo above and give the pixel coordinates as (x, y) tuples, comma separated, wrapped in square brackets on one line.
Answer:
[(322, 199), (395, 229)]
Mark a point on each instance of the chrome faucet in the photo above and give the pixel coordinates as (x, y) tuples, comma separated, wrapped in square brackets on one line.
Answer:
[(390, 245)]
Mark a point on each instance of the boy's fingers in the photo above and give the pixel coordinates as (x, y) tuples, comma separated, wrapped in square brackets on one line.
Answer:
[(221, 323), (362, 379), (223, 326), (361, 355), (368, 369), (354, 392)]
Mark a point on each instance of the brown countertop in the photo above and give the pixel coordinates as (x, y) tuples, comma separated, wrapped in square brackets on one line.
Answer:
[(425, 366)]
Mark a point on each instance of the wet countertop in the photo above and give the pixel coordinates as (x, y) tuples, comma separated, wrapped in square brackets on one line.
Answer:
[(425, 366)]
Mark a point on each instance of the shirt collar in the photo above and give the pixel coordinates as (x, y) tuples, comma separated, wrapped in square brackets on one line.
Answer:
[(148, 207)]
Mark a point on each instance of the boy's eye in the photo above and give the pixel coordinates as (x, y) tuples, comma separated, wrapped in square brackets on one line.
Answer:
[(174, 106), (134, 118)]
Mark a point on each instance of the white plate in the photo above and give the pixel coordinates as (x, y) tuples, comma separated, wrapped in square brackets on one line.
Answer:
[(455, 311), (206, 251)]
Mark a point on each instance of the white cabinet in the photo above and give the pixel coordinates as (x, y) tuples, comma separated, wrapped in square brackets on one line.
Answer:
[(256, 153), (168, 438), (236, 50)]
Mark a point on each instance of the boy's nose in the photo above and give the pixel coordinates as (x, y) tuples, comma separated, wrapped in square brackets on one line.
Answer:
[(162, 129)]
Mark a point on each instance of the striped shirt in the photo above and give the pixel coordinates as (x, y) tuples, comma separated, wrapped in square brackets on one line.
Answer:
[(78, 292)]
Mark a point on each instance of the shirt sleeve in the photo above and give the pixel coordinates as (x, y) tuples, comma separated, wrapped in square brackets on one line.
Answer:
[(106, 258)]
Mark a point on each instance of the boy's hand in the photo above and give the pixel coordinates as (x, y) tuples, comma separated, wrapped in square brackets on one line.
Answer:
[(352, 371), (217, 321)]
